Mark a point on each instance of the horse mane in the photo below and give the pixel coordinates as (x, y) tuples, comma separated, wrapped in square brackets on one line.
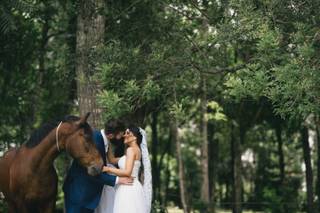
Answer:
[(39, 134)]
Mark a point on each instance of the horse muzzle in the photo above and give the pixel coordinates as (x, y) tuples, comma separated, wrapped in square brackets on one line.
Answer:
[(2, 196), (94, 170)]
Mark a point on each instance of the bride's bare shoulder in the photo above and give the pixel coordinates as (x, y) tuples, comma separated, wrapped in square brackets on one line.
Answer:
[(133, 151)]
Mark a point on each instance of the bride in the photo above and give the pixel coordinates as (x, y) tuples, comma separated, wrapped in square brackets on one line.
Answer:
[(134, 198)]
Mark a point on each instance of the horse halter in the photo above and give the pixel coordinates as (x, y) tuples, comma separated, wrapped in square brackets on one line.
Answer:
[(57, 136)]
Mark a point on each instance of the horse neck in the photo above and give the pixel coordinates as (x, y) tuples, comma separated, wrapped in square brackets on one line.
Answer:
[(46, 151)]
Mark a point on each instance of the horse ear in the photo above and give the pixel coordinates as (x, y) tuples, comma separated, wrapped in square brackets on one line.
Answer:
[(83, 119), (86, 116)]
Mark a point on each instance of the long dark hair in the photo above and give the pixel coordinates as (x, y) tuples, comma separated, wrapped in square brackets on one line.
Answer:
[(136, 132)]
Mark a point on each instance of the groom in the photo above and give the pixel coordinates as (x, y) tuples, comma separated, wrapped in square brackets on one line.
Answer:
[(82, 191)]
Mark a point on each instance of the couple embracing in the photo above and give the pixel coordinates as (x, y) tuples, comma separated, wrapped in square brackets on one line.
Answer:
[(118, 188)]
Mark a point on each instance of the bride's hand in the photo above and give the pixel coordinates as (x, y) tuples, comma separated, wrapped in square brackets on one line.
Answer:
[(106, 169)]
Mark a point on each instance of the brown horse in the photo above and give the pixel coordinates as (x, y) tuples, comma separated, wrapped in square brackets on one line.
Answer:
[(28, 179)]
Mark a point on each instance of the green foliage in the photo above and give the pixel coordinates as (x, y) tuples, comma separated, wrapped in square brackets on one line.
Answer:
[(142, 81), (247, 83), (114, 105), (217, 112), (7, 10), (183, 109), (283, 199), (158, 208), (283, 69)]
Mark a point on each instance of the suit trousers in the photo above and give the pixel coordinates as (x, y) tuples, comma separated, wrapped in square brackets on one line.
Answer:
[(73, 208)]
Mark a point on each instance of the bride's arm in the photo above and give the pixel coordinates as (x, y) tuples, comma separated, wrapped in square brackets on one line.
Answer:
[(130, 157), (110, 155)]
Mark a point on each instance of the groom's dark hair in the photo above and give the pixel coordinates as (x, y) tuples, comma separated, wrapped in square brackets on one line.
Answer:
[(114, 126), (119, 147)]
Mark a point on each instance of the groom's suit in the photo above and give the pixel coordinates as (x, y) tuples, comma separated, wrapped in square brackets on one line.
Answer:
[(82, 192)]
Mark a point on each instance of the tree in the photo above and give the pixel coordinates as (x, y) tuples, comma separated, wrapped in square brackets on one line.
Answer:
[(309, 173), (90, 35), (181, 168), (204, 146)]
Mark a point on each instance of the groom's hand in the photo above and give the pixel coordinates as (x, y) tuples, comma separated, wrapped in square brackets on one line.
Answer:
[(125, 180)]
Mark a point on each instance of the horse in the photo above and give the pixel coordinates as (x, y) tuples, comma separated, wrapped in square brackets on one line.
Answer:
[(28, 179)]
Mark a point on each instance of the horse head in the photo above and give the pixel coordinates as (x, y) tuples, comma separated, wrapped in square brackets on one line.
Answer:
[(76, 137)]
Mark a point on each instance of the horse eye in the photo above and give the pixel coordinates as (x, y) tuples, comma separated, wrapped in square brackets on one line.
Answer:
[(86, 146), (87, 137)]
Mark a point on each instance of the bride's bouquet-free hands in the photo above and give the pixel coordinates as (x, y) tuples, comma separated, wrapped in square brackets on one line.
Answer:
[(106, 169), (121, 180)]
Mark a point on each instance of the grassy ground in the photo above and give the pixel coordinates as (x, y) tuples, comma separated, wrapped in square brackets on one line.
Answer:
[(176, 210)]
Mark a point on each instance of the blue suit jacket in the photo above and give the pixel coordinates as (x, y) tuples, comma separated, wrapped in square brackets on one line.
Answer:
[(82, 189)]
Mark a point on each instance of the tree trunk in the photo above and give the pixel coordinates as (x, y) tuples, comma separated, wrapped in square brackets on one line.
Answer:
[(42, 52), (227, 197), (204, 144), (165, 153), (182, 182), (309, 175), (154, 150), (90, 35), (213, 156), (37, 97), (236, 171), (318, 165), (280, 154), (167, 182)]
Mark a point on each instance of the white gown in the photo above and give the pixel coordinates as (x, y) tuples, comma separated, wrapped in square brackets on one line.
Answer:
[(130, 198)]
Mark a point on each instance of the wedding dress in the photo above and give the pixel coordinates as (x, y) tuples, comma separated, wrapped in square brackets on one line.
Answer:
[(130, 198)]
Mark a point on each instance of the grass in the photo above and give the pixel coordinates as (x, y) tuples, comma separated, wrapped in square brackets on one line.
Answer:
[(177, 210)]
